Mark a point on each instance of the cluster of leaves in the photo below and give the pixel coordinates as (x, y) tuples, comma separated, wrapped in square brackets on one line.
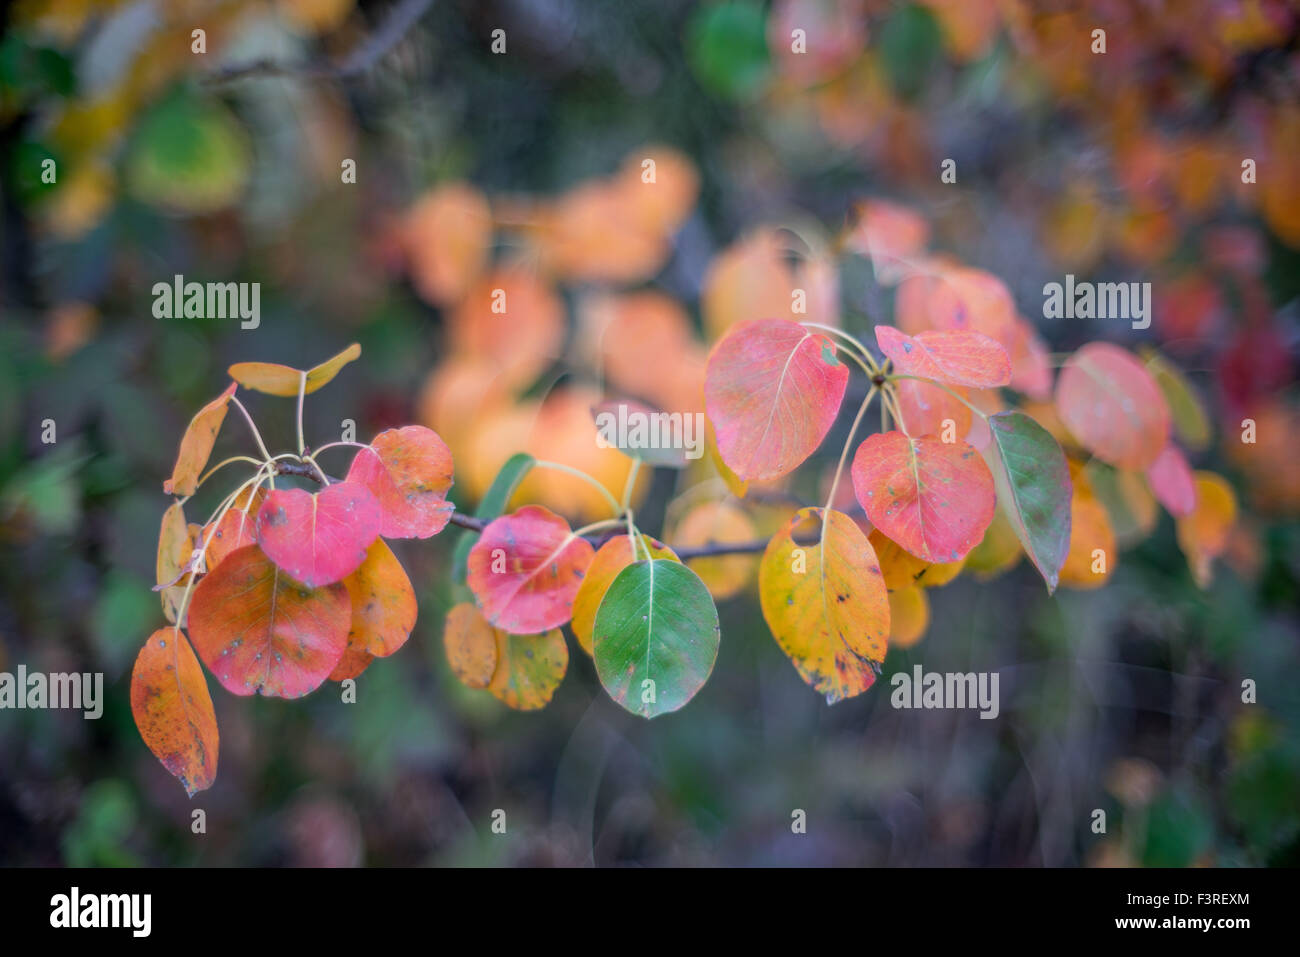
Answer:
[(281, 588)]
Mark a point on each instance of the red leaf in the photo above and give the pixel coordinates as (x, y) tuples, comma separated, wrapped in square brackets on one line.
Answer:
[(1110, 403), (237, 528), (319, 539), (772, 391), (258, 631), (408, 471), (525, 570), (173, 710), (933, 498), (1172, 482), (957, 357)]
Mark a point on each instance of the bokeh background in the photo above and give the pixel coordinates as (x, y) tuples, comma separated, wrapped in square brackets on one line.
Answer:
[(520, 170)]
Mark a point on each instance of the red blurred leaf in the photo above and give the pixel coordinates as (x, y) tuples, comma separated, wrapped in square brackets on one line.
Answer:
[(956, 358), (1110, 403)]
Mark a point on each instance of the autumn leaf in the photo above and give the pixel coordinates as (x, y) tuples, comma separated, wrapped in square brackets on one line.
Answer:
[(1172, 482), (173, 710), (1093, 552), (409, 472), (655, 638), (355, 660), (322, 538), (960, 357), (933, 498), (909, 616), (490, 506), (448, 237), (1033, 486), (259, 631), (383, 603), (772, 390), (525, 570), (175, 545), (1191, 423), (275, 379), (237, 528), (471, 645), (196, 445), (927, 407), (610, 559), (826, 604), (529, 668), (1206, 533), (1110, 403)]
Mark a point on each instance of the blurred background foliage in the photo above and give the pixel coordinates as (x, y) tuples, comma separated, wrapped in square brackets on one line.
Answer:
[(478, 170)]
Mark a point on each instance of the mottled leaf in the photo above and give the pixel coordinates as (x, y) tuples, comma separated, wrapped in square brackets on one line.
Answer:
[(826, 604), (490, 506), (525, 570), (471, 645), (383, 602), (175, 545), (322, 538), (932, 497), (259, 631), (173, 710), (409, 472), (529, 668)]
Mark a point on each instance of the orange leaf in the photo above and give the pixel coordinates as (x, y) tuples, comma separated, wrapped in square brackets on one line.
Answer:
[(275, 379), (718, 523), (175, 546), (471, 645), (448, 236), (1204, 534), (196, 445), (383, 602), (409, 472), (173, 710)]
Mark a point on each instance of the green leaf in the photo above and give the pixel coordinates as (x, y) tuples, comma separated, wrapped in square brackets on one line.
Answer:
[(491, 506), (1034, 488), (911, 43), (727, 47), (656, 637)]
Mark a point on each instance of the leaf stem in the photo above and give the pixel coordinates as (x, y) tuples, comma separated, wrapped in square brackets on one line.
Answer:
[(839, 469), (249, 419), (234, 458), (302, 392), (559, 467), (596, 526), (631, 482)]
